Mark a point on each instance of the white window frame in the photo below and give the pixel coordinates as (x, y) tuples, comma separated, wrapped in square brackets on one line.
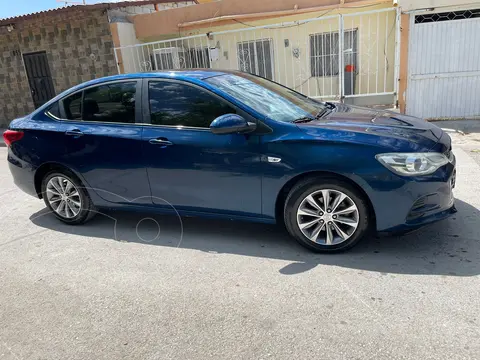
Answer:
[(330, 70)]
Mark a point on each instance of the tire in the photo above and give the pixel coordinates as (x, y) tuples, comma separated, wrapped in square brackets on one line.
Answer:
[(347, 236), (86, 209)]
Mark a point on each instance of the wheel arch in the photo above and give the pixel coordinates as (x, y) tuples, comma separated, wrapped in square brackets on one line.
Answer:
[(44, 169), (282, 195)]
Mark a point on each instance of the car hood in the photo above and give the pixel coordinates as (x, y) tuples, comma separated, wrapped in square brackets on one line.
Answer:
[(378, 124)]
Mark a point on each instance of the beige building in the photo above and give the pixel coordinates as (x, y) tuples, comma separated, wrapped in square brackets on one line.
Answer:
[(420, 55), (327, 49)]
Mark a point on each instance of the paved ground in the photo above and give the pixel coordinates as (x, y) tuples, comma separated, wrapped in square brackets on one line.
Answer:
[(230, 290)]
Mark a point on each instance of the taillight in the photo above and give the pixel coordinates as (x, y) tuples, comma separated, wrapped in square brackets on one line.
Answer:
[(10, 136)]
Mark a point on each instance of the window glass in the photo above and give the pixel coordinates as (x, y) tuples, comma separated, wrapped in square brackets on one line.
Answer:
[(110, 103), (54, 111), (324, 52), (183, 105), (266, 97), (256, 57), (72, 106)]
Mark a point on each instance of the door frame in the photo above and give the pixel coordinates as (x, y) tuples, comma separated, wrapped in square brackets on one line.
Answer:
[(138, 102), (30, 79), (145, 99)]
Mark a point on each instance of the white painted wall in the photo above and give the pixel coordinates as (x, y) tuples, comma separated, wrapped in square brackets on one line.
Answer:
[(127, 36), (291, 62), (424, 4), (126, 29)]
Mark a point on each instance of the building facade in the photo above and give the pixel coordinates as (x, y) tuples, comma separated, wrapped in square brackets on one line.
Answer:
[(330, 50), (45, 53), (419, 55)]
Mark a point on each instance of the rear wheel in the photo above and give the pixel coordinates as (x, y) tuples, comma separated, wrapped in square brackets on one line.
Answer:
[(326, 215), (65, 196)]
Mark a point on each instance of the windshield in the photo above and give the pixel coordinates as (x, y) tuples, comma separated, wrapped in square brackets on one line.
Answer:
[(266, 97)]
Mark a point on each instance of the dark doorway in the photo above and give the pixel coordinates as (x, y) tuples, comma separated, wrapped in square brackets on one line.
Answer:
[(39, 77)]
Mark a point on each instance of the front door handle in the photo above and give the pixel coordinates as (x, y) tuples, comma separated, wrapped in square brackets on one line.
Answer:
[(74, 132), (160, 141)]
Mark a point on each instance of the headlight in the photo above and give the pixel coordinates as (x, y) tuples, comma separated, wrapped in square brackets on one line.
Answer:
[(412, 164)]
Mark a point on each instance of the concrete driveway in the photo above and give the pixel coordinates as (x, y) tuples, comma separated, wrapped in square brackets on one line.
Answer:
[(123, 287)]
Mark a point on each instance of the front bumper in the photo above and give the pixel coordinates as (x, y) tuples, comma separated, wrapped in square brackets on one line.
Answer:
[(409, 204), (421, 222)]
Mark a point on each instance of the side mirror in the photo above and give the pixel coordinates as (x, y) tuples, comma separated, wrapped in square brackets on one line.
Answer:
[(231, 124)]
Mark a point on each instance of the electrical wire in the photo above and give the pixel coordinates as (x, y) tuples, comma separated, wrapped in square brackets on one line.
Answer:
[(287, 26), (299, 24)]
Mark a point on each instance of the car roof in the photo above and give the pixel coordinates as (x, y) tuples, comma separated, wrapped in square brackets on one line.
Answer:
[(192, 75), (185, 74)]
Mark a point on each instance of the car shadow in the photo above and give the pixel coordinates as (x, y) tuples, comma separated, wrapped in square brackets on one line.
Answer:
[(449, 248)]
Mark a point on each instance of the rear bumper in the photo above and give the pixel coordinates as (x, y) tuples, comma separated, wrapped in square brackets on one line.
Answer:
[(23, 174)]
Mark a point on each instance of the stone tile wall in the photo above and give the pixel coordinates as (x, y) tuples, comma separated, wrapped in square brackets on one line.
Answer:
[(78, 45)]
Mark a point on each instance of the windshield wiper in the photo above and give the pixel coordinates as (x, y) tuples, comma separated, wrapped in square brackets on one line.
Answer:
[(304, 119), (328, 109)]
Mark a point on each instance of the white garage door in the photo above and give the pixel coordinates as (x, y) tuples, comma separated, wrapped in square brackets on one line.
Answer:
[(444, 65)]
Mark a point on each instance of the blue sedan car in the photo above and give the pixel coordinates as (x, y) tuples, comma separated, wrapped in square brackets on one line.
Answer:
[(233, 145)]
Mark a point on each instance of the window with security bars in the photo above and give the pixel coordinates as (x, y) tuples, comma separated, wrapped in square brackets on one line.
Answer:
[(447, 16), (256, 57), (324, 59), (183, 59), (196, 58)]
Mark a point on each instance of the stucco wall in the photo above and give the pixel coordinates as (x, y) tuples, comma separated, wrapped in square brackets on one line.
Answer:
[(375, 49), (78, 45), (145, 9), (151, 26), (375, 53)]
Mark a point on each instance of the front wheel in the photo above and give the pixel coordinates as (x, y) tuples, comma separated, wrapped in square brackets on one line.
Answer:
[(326, 215)]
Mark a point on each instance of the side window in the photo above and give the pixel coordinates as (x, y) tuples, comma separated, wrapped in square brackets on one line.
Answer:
[(184, 105), (110, 103), (72, 106), (54, 111)]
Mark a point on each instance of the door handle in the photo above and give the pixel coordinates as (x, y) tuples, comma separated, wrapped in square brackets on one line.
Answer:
[(160, 141), (74, 132)]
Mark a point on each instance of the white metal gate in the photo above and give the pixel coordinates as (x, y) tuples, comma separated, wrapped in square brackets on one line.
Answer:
[(331, 57), (444, 66)]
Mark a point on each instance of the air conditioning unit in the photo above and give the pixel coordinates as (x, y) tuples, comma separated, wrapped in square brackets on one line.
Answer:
[(168, 58)]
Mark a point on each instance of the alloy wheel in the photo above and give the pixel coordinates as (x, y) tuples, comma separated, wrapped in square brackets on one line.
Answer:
[(63, 197), (328, 217)]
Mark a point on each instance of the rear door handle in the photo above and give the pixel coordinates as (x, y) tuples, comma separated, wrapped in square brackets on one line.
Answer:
[(160, 141), (74, 132)]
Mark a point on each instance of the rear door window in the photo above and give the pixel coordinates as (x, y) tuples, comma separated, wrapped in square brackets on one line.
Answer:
[(54, 111), (114, 102), (110, 103), (73, 106)]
